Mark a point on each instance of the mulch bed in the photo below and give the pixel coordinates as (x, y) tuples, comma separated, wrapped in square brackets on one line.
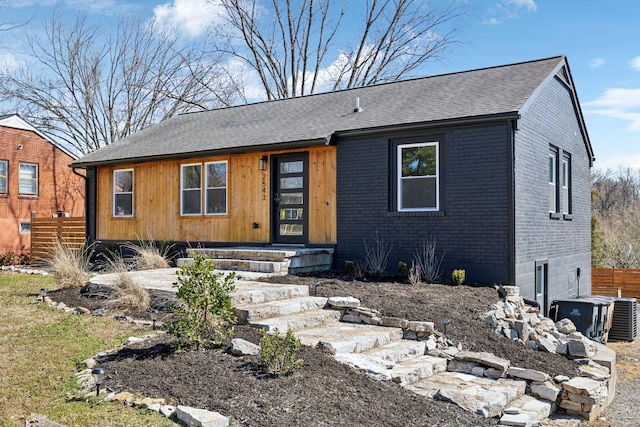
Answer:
[(322, 392)]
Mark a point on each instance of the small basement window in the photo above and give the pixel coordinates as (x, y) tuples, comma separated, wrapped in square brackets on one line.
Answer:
[(25, 228)]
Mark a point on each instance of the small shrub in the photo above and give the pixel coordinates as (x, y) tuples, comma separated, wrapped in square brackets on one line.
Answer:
[(278, 353), (70, 265), (415, 275), (376, 258), (350, 267), (11, 257), (428, 261), (402, 268), (204, 317), (458, 276)]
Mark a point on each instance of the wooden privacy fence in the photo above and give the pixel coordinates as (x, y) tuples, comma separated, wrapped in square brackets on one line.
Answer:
[(45, 231), (616, 282)]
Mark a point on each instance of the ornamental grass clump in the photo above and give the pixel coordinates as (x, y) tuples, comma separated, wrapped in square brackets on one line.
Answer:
[(70, 264), (279, 353), (148, 256), (203, 316), (125, 292)]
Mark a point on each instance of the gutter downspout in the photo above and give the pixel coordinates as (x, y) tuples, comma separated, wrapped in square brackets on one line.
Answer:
[(513, 127), (86, 203)]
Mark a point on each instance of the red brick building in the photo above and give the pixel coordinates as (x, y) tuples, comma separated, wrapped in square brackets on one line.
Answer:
[(35, 180)]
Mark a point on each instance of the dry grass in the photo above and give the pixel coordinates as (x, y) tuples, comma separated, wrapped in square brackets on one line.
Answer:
[(126, 292), (41, 352), (70, 265), (147, 256)]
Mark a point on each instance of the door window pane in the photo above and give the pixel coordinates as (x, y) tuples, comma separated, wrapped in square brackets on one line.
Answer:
[(291, 229), (292, 214), (289, 183), (292, 167), (291, 198)]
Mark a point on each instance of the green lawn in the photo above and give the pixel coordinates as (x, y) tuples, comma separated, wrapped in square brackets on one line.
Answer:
[(40, 352)]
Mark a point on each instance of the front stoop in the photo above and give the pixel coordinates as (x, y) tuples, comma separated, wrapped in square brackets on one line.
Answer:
[(272, 260)]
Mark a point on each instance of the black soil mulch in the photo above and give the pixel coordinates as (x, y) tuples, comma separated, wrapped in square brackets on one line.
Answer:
[(322, 392)]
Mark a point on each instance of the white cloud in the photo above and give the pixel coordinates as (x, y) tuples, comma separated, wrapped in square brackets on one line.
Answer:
[(530, 5), (635, 63), (508, 9), (9, 62), (615, 162), (597, 63), (186, 16), (618, 103)]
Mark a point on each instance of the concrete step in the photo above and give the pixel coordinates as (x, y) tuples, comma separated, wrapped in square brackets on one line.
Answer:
[(255, 312), (299, 321), (480, 395), (349, 338), (251, 293)]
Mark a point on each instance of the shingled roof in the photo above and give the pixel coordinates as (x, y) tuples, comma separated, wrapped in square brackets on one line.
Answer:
[(478, 94)]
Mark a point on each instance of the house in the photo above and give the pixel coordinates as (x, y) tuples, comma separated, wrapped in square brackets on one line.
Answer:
[(491, 164), (35, 180)]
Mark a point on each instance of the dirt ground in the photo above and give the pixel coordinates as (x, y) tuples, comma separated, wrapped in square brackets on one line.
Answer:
[(322, 392)]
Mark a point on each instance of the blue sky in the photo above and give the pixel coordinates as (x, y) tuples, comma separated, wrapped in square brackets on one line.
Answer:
[(599, 38)]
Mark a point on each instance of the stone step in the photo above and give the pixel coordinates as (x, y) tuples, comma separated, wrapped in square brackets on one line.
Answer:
[(252, 293), (349, 338), (267, 267), (416, 369), (255, 312), (299, 321), (480, 395), (527, 411)]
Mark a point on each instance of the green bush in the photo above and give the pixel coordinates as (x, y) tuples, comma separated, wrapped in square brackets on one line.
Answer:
[(349, 267), (458, 276), (204, 316), (278, 353), (403, 269)]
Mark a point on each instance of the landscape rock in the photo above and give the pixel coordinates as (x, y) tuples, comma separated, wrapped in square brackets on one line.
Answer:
[(527, 374), (421, 327), (545, 390), (344, 302), (194, 417), (240, 347), (168, 410), (580, 348), (565, 326), (37, 420), (484, 358)]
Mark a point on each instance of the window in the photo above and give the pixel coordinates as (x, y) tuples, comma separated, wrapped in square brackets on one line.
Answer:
[(191, 189), (123, 192), (565, 181), (25, 228), (216, 191), (418, 180), (28, 183), (553, 178), (4, 173)]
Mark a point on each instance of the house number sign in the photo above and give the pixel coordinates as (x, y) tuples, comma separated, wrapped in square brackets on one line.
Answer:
[(264, 186)]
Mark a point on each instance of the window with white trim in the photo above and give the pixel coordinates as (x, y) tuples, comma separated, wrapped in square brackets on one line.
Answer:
[(191, 189), (418, 177), (28, 179), (123, 193), (4, 176), (553, 180), (216, 188)]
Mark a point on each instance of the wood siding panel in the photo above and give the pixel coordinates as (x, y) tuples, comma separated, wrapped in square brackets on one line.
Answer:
[(157, 202), (70, 231)]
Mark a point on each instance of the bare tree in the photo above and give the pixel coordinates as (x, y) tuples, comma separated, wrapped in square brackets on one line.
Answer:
[(298, 47), (87, 88)]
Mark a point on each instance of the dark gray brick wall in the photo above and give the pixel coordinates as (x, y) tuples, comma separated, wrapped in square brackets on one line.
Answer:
[(551, 119), (472, 229)]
